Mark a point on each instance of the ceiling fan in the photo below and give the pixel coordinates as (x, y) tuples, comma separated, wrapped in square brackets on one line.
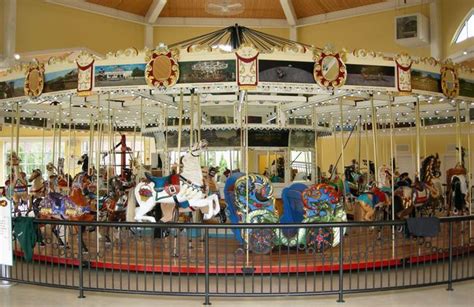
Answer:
[(224, 7)]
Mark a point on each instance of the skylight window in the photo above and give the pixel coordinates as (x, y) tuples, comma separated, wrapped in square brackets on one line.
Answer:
[(467, 29)]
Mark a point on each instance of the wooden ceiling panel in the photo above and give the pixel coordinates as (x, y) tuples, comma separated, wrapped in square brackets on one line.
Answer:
[(269, 9), (306, 8), (138, 7)]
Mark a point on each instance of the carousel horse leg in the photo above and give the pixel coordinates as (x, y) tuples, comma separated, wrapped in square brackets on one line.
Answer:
[(57, 233), (84, 246)]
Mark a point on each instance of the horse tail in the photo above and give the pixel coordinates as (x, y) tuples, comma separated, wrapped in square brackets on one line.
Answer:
[(131, 205)]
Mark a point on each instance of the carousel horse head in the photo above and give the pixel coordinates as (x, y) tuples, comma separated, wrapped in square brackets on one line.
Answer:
[(13, 159), (35, 174), (198, 148), (52, 170), (260, 193), (430, 168), (84, 161)]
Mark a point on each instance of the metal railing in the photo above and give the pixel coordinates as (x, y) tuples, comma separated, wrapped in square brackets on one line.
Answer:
[(206, 260)]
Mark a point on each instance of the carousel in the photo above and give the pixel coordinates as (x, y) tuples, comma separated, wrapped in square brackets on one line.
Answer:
[(240, 127)]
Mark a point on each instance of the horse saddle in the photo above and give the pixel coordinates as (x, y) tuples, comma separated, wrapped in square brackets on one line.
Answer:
[(169, 184), (421, 196)]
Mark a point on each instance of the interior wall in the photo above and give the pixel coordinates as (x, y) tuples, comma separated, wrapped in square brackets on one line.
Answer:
[(2, 29), (453, 13), (372, 32), (42, 26)]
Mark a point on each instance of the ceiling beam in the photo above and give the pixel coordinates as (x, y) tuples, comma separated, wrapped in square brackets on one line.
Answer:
[(155, 10), (289, 11)]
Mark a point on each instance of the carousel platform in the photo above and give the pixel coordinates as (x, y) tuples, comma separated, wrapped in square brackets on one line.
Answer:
[(135, 250)]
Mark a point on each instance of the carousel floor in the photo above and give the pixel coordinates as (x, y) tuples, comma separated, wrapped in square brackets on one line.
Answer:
[(137, 250)]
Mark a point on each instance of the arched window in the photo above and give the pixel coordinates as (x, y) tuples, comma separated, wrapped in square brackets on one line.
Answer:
[(467, 28)]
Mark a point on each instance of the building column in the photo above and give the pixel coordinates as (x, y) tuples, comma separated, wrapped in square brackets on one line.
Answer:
[(149, 37), (293, 33), (9, 30), (436, 43)]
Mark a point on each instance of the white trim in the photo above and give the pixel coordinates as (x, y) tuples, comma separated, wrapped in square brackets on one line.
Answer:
[(459, 56), (359, 11), (32, 54), (220, 22), (154, 11), (99, 9)]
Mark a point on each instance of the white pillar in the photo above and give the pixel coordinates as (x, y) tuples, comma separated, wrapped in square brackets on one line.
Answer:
[(9, 29), (293, 33), (436, 46), (149, 37)]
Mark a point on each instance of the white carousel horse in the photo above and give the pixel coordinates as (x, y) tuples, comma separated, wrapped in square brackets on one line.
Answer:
[(184, 191)]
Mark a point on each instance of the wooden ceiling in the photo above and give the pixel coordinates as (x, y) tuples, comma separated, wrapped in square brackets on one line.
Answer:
[(268, 9)]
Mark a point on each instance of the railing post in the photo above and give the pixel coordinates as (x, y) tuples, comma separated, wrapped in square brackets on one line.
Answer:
[(81, 273), (450, 262), (206, 266), (5, 273), (341, 265)]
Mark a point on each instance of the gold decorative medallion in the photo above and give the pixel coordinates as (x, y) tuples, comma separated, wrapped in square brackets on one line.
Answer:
[(449, 80), (34, 80), (162, 68), (329, 69)]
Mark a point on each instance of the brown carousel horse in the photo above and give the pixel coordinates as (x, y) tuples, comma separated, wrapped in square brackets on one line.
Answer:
[(17, 183), (423, 195)]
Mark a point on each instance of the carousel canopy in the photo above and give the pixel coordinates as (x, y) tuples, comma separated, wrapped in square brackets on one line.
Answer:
[(231, 38)]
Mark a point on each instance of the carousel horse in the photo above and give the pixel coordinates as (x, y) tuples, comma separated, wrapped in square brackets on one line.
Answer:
[(184, 191), (78, 206), (430, 176), (63, 179), (37, 190), (17, 183), (368, 204), (457, 191), (211, 185)]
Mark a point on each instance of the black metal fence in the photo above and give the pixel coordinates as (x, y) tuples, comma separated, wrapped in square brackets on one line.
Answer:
[(206, 260)]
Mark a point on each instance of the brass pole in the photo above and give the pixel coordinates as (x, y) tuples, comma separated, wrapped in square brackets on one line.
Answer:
[(180, 128), (458, 133), (418, 145), (191, 121), (60, 116), (392, 171), (374, 136), (341, 128)]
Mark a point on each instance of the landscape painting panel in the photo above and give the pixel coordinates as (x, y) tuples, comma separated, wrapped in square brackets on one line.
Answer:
[(370, 75), (120, 75), (285, 71), (207, 71)]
